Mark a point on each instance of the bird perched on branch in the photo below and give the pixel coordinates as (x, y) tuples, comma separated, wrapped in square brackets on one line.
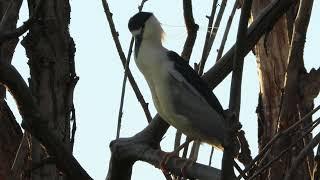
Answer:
[(179, 94)]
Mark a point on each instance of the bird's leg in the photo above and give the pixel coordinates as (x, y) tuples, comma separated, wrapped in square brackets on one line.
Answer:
[(167, 156)]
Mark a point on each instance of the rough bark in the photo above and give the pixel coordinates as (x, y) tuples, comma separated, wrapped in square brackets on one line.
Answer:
[(10, 132), (272, 53), (50, 50), (279, 100)]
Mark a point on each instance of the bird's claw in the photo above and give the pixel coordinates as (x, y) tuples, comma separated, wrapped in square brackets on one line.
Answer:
[(164, 161), (187, 164)]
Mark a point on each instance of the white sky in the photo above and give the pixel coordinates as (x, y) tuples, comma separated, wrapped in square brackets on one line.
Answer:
[(97, 94)]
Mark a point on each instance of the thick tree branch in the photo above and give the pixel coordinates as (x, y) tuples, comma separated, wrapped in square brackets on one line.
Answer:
[(145, 147), (38, 127), (7, 34)]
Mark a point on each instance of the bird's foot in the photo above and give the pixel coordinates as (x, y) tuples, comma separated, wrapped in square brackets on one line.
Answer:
[(164, 161), (186, 165), (168, 156)]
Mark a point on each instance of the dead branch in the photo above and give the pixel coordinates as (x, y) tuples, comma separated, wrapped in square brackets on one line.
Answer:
[(215, 29), (38, 127), (209, 33), (125, 77), (226, 32)]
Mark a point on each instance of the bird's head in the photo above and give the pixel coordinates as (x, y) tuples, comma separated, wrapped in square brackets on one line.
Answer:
[(145, 25)]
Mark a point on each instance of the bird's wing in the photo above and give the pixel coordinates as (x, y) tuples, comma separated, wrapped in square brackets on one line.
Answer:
[(194, 80)]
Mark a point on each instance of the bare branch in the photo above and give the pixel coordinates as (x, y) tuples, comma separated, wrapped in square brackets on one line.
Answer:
[(208, 35), (226, 32), (192, 29), (238, 58), (123, 59), (215, 29)]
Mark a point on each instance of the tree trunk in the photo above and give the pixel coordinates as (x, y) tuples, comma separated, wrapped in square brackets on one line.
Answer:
[(50, 50), (10, 132), (277, 107)]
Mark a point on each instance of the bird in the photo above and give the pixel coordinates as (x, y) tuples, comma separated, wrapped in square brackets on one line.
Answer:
[(181, 97)]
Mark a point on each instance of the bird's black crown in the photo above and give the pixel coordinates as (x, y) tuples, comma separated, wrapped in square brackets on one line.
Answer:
[(137, 21)]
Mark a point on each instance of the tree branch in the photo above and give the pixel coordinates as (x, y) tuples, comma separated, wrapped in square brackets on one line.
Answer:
[(226, 32), (123, 59), (215, 29), (192, 29)]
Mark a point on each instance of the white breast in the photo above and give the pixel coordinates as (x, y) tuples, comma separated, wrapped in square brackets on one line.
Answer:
[(154, 65)]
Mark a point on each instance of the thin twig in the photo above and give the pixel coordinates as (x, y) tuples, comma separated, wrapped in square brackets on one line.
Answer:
[(133, 83), (277, 136), (215, 29), (284, 151), (239, 170), (125, 77), (226, 32), (303, 153), (123, 90), (208, 35)]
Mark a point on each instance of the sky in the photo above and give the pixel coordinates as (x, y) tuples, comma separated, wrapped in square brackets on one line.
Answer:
[(97, 94)]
